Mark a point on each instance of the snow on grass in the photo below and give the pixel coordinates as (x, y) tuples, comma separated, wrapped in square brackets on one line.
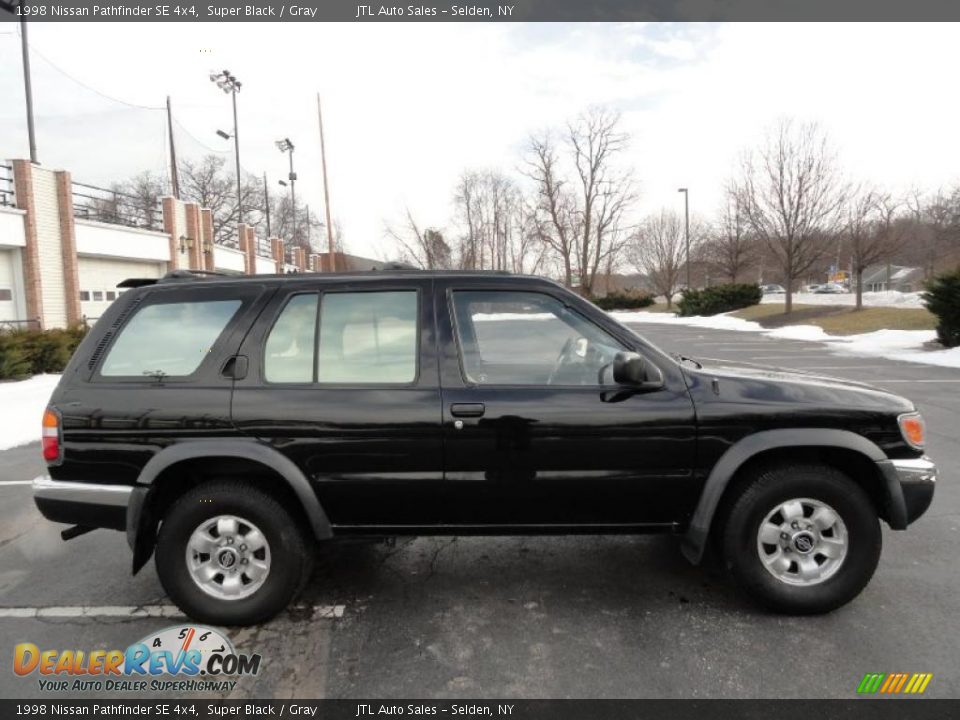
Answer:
[(715, 322), (890, 298), (21, 409)]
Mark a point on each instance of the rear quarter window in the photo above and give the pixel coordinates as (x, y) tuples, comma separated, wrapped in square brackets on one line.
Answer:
[(168, 339)]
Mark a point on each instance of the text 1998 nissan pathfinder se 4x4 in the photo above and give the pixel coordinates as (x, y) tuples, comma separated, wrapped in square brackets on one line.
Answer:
[(229, 423)]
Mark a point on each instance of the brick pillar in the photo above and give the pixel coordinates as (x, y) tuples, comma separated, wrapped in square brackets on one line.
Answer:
[(276, 248), (206, 225), (68, 247), (244, 244), (251, 251), (314, 262), (33, 290), (171, 229), (195, 239)]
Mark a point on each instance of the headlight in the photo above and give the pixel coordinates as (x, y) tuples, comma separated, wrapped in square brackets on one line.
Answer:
[(913, 429)]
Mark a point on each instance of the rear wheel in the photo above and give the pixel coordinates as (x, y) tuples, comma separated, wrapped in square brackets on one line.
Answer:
[(229, 553), (802, 539)]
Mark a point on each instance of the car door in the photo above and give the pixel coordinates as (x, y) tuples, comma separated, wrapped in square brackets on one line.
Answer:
[(343, 380), (534, 436)]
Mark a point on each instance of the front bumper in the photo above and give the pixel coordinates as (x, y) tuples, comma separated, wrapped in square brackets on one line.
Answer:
[(84, 504), (910, 486)]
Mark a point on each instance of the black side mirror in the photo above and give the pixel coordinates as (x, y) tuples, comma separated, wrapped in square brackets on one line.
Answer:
[(629, 369)]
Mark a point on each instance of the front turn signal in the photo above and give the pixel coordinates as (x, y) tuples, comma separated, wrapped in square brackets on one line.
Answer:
[(913, 429)]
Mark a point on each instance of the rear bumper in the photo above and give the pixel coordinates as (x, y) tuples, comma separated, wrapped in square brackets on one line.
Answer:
[(910, 486), (85, 504)]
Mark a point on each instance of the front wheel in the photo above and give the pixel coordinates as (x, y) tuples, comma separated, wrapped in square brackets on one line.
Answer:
[(230, 554), (802, 539)]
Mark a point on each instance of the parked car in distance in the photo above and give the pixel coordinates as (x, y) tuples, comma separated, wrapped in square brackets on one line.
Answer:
[(773, 289), (228, 424), (811, 288), (830, 289)]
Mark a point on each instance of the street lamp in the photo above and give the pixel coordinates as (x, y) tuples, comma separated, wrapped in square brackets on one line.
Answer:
[(230, 85), (286, 146), (686, 228)]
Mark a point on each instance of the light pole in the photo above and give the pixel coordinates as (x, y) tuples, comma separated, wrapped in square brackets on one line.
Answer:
[(686, 228), (286, 146), (229, 84)]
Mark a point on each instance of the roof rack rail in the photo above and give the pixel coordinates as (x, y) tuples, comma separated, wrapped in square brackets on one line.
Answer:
[(192, 274)]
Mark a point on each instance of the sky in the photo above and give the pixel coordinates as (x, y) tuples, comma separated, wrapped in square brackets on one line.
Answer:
[(409, 107)]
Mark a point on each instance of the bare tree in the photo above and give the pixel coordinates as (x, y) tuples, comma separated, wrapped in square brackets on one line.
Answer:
[(425, 248), (210, 183), (791, 195), (554, 218), (728, 244), (871, 230), (579, 217), (141, 199), (658, 250), (938, 218), (605, 192), (496, 224)]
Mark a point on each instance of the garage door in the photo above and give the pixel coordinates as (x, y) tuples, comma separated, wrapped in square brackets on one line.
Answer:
[(8, 306), (99, 278)]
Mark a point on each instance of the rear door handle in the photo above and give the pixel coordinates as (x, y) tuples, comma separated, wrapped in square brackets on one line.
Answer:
[(467, 410)]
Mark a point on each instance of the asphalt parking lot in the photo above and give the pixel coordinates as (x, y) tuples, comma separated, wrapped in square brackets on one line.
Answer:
[(586, 617)]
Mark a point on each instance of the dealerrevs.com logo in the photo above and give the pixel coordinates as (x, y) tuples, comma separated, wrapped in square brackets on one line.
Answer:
[(197, 658)]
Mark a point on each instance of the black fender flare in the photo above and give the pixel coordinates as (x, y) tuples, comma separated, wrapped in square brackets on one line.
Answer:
[(138, 535), (695, 538)]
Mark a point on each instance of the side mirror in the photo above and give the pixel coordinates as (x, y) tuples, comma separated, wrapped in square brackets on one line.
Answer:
[(629, 369)]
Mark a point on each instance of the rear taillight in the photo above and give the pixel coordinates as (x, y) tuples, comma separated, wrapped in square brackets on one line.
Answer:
[(50, 437)]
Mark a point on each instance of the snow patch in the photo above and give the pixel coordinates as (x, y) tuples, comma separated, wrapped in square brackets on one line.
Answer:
[(890, 298), (21, 409), (715, 322)]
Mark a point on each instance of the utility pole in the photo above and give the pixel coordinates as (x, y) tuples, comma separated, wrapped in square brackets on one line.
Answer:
[(686, 228), (326, 191), (28, 88), (174, 178)]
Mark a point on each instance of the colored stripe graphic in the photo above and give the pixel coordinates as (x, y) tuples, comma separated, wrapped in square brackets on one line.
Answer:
[(894, 683)]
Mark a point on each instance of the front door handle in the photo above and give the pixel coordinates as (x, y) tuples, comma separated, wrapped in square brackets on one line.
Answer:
[(467, 410)]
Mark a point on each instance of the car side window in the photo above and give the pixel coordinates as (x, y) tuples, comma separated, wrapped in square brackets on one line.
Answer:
[(288, 355), (528, 338), (168, 339), (368, 337)]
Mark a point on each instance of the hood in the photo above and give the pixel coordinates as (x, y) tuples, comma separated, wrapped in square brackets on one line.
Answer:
[(766, 383)]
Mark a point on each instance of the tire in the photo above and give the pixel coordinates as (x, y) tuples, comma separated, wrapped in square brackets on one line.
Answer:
[(845, 545), (246, 530)]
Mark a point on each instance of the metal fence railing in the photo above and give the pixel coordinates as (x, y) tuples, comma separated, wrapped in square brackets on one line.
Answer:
[(7, 195), (116, 207)]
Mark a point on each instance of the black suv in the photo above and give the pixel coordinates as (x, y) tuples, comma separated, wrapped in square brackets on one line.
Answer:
[(230, 422)]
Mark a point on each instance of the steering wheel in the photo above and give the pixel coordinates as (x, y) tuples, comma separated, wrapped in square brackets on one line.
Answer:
[(561, 359)]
